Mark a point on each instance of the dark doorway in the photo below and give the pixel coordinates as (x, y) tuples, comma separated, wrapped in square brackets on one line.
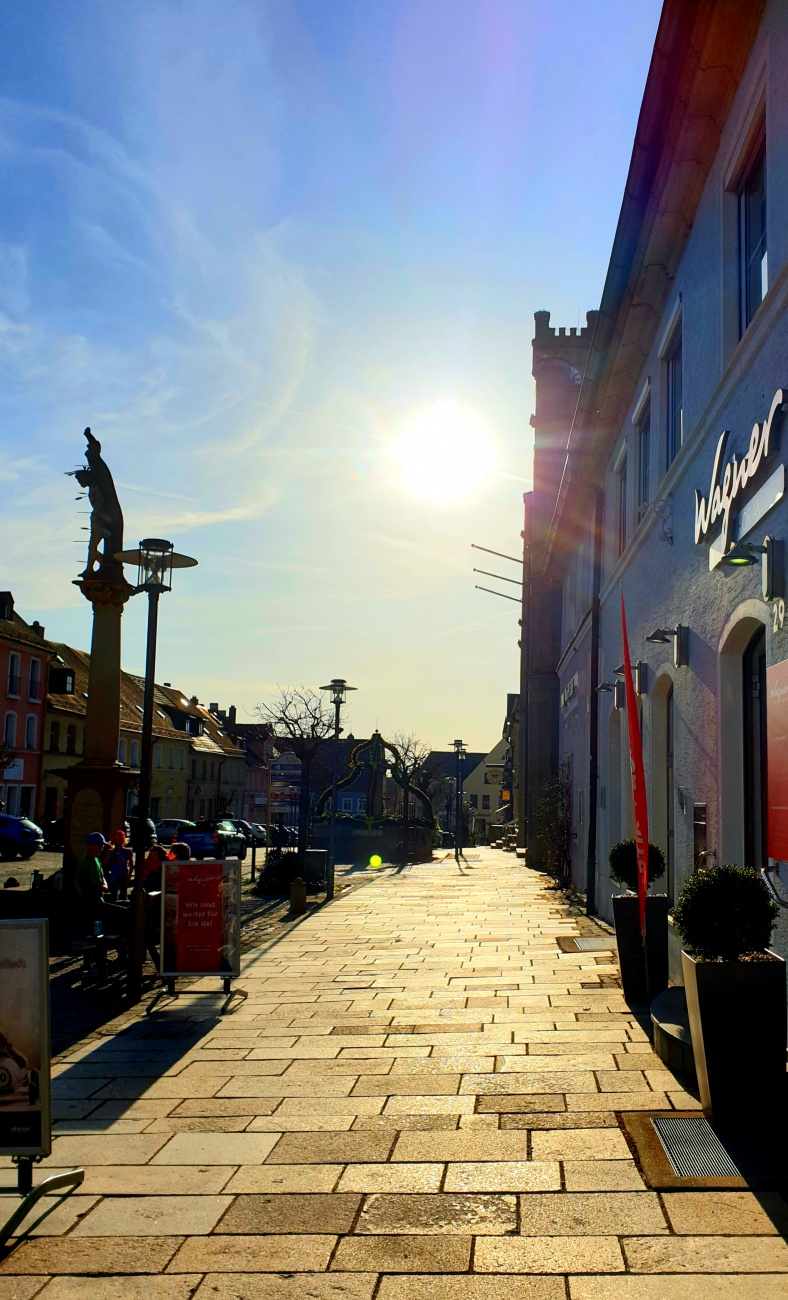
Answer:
[(669, 789), (754, 697)]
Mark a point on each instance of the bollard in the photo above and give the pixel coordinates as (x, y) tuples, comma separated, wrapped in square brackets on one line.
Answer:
[(298, 897), (254, 858)]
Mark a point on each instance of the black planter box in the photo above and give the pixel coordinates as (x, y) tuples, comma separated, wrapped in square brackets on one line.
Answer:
[(737, 1014), (639, 991)]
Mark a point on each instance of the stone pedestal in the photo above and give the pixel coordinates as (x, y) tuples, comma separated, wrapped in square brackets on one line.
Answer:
[(97, 786)]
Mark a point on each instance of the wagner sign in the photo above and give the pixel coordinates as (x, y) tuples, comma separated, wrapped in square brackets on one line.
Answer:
[(728, 484), (200, 918)]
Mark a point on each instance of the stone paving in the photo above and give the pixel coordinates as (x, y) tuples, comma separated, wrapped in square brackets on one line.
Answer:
[(418, 1101)]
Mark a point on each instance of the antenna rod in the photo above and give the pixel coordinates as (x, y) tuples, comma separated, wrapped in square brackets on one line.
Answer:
[(497, 593), (500, 554), (517, 581)]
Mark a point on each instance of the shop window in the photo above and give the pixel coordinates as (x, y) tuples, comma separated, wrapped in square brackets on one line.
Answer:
[(54, 737), (621, 506), (26, 799), (753, 261), (31, 731), (9, 730), (754, 701), (34, 682), (643, 433), (12, 800), (674, 387), (14, 679)]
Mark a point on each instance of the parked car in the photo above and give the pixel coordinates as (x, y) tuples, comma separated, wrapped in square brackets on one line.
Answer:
[(260, 835), (215, 839), (172, 829), (19, 837), (244, 827)]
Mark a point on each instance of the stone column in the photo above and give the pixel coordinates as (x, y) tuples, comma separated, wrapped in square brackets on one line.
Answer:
[(102, 724)]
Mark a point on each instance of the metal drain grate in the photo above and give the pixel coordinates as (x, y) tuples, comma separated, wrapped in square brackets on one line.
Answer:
[(693, 1148)]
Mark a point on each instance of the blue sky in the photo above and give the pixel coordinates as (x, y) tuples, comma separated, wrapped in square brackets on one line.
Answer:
[(245, 241)]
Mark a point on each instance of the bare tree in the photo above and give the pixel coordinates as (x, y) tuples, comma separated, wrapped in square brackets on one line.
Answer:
[(301, 720), (413, 755)]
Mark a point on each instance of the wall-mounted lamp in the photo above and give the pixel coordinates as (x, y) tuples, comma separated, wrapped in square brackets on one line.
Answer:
[(744, 554), (679, 635), (605, 686), (638, 676)]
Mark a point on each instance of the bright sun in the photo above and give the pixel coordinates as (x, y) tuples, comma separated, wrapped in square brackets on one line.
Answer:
[(445, 452)]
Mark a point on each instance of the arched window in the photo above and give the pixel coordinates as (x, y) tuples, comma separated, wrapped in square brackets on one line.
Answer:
[(31, 731), (54, 737), (122, 750), (157, 755), (134, 759), (9, 730), (71, 740), (181, 759), (170, 758)]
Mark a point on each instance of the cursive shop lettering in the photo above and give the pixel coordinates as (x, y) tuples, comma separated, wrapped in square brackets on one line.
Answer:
[(727, 485)]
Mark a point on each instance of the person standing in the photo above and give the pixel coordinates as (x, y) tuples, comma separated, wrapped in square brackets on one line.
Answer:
[(118, 866)]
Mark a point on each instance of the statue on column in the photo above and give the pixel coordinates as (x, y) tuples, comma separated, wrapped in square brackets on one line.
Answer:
[(106, 517)]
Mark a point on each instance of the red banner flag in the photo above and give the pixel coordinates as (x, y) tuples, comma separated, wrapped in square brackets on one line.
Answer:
[(639, 801)]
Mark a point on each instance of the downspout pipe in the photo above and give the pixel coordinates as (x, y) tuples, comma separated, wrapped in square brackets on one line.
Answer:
[(594, 703)]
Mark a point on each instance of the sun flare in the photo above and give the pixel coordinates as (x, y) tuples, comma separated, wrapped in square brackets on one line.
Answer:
[(445, 452)]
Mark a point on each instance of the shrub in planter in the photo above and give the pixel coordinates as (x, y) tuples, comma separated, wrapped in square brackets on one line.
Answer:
[(623, 859), (725, 912), (641, 978), (736, 995)]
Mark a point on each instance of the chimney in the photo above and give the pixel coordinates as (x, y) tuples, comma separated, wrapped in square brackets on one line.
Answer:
[(38, 628), (167, 684), (213, 708), (6, 605), (231, 715)]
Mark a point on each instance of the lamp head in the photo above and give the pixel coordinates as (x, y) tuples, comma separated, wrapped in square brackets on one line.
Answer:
[(661, 635), (741, 554)]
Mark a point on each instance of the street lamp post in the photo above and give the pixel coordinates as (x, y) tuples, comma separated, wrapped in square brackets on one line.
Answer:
[(155, 559), (459, 755), (339, 689)]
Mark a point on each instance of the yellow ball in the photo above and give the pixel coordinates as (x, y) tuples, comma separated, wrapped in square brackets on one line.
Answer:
[(376, 860)]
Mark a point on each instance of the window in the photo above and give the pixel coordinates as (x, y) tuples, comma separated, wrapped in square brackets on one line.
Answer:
[(347, 805), (170, 758), (753, 264), (14, 663), (675, 396), (122, 750), (34, 685), (474, 798), (362, 803), (54, 737), (9, 730), (71, 740), (485, 803), (26, 800), (181, 760), (157, 755), (621, 493), (643, 428), (134, 760), (31, 731)]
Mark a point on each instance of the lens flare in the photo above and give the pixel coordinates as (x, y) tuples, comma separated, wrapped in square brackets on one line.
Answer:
[(445, 453), (376, 860)]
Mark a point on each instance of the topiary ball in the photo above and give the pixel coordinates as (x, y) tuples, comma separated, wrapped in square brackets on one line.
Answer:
[(623, 859), (724, 912)]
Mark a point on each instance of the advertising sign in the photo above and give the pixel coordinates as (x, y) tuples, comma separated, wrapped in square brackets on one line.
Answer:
[(25, 1121), (200, 924), (777, 761)]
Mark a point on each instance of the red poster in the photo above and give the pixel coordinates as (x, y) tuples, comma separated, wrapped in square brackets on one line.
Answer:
[(777, 761), (639, 802), (200, 918)]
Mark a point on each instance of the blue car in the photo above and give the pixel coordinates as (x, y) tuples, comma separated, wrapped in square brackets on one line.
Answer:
[(19, 837)]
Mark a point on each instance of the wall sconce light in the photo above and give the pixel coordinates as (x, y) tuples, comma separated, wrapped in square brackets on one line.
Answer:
[(619, 696), (679, 635), (638, 676), (772, 555), (605, 686)]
